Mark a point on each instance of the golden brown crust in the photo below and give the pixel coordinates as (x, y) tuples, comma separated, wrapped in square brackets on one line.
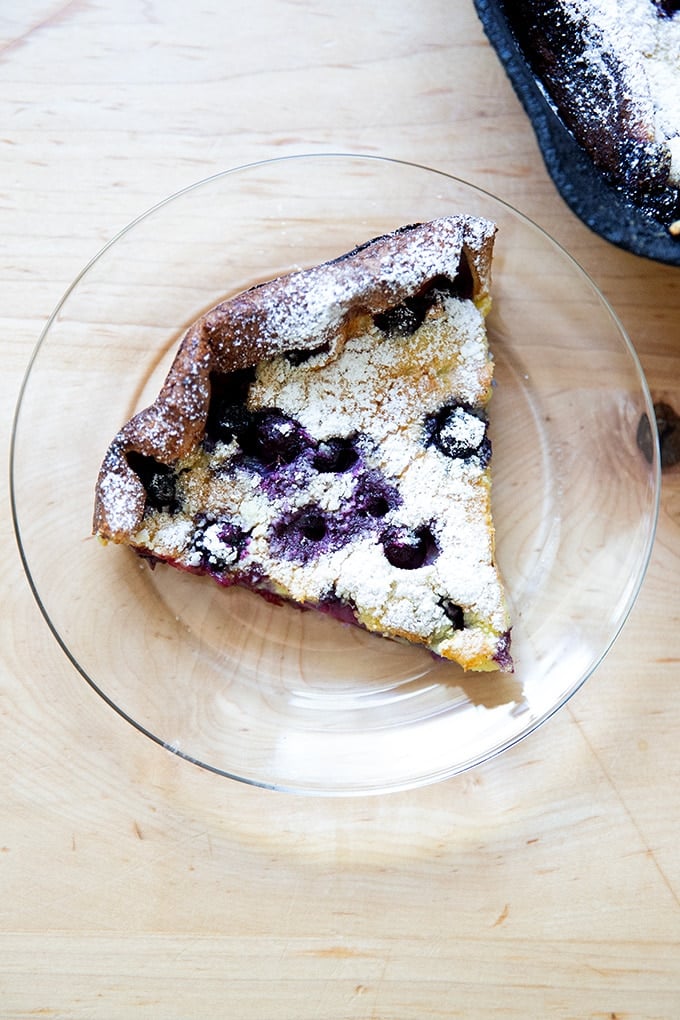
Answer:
[(305, 310)]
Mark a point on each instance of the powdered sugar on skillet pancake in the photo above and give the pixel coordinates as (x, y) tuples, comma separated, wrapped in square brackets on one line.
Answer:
[(649, 44), (380, 391), (322, 438), (378, 383)]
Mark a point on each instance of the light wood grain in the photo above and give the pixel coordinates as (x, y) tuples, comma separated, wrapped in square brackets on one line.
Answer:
[(543, 884)]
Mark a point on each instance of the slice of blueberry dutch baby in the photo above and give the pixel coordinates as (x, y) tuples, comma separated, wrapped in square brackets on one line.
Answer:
[(322, 439)]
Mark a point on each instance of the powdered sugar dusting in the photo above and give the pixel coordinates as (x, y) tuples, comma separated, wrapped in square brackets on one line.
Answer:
[(652, 44), (314, 303), (380, 389), (630, 62), (373, 386), (119, 495), (400, 529)]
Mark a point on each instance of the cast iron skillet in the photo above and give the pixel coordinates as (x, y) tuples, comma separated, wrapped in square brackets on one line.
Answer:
[(604, 209)]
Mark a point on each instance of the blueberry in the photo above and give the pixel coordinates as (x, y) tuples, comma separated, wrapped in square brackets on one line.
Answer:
[(159, 481), (459, 432), (404, 319), (337, 454), (161, 491), (408, 549), (401, 320), (312, 525), (453, 612), (502, 655), (342, 609), (219, 542), (376, 505), (667, 8), (273, 438), (302, 534), (232, 423), (228, 414), (300, 356), (374, 496)]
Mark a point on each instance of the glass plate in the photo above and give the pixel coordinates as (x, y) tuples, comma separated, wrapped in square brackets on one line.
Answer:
[(293, 700)]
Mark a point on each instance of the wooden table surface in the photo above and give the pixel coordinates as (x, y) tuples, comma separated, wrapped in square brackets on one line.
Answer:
[(545, 883)]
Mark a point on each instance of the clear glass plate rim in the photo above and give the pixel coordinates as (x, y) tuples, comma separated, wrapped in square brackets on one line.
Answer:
[(644, 558)]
